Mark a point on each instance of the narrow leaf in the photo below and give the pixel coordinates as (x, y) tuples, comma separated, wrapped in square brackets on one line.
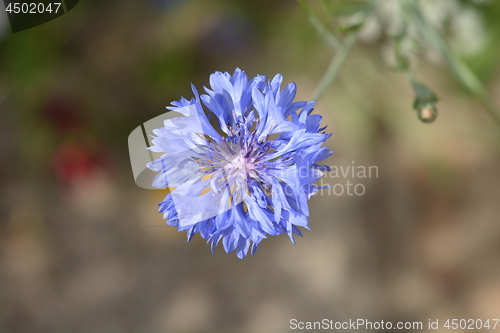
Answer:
[(346, 8)]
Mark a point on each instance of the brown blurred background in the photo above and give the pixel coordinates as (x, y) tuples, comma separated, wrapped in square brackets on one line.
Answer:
[(83, 249)]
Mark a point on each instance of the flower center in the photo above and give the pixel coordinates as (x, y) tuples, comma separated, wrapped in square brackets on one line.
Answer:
[(242, 165)]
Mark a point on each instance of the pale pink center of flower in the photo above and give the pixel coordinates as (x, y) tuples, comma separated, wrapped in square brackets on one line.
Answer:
[(243, 165)]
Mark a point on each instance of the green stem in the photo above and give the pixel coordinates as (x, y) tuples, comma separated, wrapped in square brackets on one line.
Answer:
[(322, 31), (463, 73), (335, 65)]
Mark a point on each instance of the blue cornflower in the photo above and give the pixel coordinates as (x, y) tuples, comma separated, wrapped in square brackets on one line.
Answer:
[(236, 183)]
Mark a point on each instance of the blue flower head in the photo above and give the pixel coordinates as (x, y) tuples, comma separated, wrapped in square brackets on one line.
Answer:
[(235, 183)]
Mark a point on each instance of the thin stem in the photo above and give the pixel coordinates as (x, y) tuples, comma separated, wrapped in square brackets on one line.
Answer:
[(322, 31), (463, 73), (335, 65)]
